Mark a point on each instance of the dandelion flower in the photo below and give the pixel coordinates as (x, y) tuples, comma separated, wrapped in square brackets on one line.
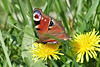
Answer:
[(45, 51), (86, 44)]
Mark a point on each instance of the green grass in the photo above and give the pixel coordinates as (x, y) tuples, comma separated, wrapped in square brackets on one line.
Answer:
[(17, 31)]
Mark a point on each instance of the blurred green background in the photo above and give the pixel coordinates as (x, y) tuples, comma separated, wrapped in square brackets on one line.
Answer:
[(17, 31)]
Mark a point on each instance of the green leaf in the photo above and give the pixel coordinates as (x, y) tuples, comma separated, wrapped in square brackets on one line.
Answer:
[(31, 63), (5, 50), (28, 39), (91, 10), (82, 27)]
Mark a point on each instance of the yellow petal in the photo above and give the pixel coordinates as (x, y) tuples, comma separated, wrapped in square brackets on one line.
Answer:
[(87, 57), (90, 54), (82, 58)]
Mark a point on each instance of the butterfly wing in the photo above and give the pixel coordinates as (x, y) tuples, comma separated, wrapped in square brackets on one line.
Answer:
[(47, 25)]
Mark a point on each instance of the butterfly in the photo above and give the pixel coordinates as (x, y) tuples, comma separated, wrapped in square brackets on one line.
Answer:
[(45, 24)]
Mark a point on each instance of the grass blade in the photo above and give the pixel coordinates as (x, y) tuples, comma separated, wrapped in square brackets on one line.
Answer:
[(76, 64), (4, 48), (48, 7), (8, 11), (79, 4), (31, 15), (91, 10), (30, 12), (62, 14), (23, 11), (53, 63)]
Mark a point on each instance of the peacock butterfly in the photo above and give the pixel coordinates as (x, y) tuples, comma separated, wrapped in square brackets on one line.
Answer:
[(44, 24)]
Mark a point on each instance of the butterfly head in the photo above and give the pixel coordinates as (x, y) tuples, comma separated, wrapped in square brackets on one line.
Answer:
[(42, 22), (36, 16)]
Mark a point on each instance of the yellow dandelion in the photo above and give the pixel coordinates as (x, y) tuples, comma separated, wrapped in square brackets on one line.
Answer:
[(86, 44), (45, 51)]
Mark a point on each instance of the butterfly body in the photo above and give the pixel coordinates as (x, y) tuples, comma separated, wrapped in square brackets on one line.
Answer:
[(44, 24)]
